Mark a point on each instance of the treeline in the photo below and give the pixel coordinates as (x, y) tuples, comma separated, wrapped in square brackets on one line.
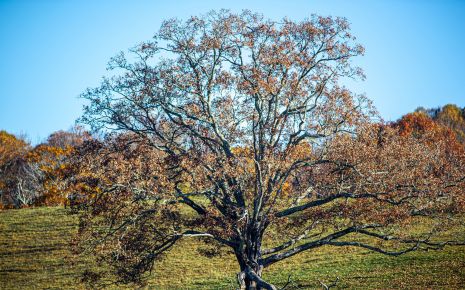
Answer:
[(36, 175)]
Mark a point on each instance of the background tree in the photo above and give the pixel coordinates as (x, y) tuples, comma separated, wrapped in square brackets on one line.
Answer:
[(35, 175), (52, 159), (454, 118), (19, 178), (71, 138), (11, 146), (450, 116), (236, 127)]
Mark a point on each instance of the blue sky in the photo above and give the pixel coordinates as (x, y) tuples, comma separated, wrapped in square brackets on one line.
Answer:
[(51, 51)]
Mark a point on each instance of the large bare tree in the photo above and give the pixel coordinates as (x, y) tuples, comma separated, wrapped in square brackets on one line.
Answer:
[(244, 122)]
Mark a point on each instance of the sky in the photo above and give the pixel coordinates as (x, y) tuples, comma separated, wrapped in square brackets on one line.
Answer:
[(51, 51)]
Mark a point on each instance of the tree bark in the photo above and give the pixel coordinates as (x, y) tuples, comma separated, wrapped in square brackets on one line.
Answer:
[(252, 280), (251, 271)]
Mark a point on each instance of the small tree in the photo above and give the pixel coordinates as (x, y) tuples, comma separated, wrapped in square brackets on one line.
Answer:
[(52, 159), (68, 139), (242, 120), (22, 182), (20, 179)]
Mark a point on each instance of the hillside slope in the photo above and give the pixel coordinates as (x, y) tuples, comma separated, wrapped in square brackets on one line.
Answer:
[(34, 254)]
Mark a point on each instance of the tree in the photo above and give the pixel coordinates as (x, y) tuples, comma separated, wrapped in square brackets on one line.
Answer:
[(234, 127), (11, 146), (450, 116), (35, 176), (420, 125), (66, 139), (453, 117), (19, 178), (52, 159)]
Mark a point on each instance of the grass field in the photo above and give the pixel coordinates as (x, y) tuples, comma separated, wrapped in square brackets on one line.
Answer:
[(34, 255)]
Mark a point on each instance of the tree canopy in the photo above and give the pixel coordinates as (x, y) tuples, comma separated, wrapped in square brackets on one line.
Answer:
[(229, 127)]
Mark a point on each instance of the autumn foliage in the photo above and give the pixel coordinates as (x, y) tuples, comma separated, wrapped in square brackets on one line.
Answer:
[(17, 177), (232, 127), (35, 176)]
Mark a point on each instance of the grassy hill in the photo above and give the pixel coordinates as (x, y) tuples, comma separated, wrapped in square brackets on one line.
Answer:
[(34, 254)]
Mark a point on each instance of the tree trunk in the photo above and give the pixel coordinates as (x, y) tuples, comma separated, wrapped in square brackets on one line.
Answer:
[(248, 255), (250, 277), (250, 280)]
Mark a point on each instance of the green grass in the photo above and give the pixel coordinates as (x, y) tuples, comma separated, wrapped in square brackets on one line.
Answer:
[(34, 254)]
